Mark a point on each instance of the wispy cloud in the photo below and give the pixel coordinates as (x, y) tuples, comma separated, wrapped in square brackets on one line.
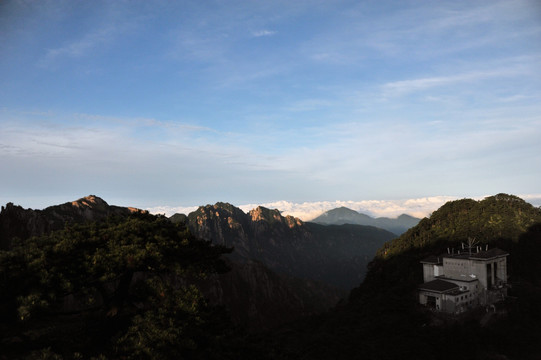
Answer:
[(79, 48), (402, 87), (417, 33), (261, 33)]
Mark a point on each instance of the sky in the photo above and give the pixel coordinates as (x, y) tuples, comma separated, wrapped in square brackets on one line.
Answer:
[(301, 105)]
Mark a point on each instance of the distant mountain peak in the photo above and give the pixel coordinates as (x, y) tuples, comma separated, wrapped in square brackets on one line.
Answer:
[(263, 213), (89, 201), (344, 215)]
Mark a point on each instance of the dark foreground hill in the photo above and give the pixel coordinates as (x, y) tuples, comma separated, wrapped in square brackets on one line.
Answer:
[(344, 215)]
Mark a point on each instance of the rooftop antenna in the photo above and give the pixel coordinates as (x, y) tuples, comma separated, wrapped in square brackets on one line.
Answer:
[(471, 243)]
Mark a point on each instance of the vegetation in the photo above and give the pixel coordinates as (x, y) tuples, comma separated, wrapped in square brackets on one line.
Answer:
[(496, 217), (123, 288), (383, 319), (119, 288)]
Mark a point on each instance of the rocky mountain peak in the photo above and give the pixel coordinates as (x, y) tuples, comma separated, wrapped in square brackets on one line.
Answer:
[(16, 222), (90, 201), (292, 221), (261, 213), (221, 211)]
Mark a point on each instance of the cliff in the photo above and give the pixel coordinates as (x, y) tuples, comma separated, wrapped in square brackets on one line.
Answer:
[(335, 255)]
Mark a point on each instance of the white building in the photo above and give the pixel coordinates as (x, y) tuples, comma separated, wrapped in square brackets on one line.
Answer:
[(456, 282)]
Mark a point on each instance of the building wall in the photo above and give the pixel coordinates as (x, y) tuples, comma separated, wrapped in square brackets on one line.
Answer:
[(467, 284), (450, 303), (498, 272), (430, 271), (455, 268), (479, 268), (440, 304), (480, 289), (501, 274)]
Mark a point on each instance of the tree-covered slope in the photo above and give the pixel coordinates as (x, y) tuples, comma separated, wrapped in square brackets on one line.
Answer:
[(496, 217), (118, 288), (16, 222)]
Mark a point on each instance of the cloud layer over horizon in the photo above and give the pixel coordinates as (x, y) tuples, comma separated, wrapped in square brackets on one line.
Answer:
[(420, 207)]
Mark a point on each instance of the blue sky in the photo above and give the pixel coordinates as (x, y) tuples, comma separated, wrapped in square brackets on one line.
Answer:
[(184, 103)]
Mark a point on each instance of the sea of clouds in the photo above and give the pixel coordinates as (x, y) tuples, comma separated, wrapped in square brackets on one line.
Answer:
[(306, 211)]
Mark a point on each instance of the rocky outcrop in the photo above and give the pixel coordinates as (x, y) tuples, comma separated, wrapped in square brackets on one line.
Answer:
[(16, 222), (337, 256)]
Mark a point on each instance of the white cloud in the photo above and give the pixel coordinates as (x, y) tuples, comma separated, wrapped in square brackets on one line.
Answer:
[(534, 199), (171, 210), (419, 207), (306, 211), (261, 33), (402, 87)]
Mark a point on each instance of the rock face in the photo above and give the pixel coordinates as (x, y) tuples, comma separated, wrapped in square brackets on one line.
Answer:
[(344, 215), (16, 222), (335, 255)]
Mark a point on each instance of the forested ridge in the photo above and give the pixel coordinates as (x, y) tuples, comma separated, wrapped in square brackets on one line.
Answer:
[(500, 216), (118, 288)]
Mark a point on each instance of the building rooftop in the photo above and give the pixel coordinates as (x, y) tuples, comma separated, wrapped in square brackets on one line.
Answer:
[(465, 254), (438, 286), (462, 278), (432, 259), (489, 254)]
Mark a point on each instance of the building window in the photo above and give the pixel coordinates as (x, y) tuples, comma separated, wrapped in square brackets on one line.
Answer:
[(430, 301), (489, 275)]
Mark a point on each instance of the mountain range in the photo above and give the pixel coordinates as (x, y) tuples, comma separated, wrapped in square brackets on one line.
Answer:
[(336, 255), (284, 277), (344, 215), (281, 267)]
